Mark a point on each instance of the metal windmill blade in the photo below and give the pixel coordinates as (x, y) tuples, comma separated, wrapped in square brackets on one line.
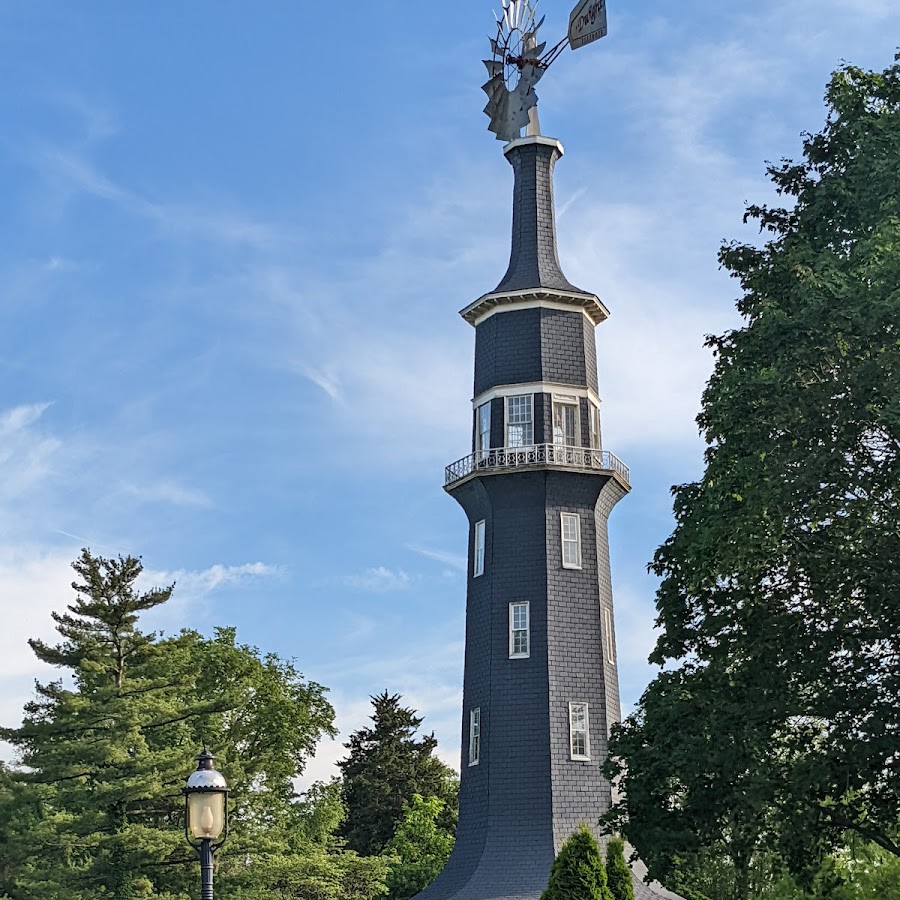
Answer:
[(514, 70)]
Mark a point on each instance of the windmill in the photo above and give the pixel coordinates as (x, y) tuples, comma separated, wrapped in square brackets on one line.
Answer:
[(519, 60)]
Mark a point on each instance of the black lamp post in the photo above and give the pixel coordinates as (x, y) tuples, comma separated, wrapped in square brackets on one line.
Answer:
[(206, 817)]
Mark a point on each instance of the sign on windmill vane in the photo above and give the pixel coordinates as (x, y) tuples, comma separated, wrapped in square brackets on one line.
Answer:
[(587, 23)]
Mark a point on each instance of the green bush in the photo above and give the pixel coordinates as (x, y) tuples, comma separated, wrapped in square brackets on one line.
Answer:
[(618, 873), (578, 872)]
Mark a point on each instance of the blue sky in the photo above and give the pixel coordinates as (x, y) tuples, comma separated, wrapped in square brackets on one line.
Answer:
[(234, 239)]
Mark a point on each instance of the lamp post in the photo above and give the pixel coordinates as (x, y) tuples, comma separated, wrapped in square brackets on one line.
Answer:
[(206, 817)]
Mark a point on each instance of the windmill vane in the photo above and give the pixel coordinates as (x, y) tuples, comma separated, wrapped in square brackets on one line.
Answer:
[(519, 61)]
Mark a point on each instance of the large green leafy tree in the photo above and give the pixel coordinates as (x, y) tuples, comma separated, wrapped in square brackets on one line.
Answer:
[(386, 766), (419, 848), (780, 592), (105, 751)]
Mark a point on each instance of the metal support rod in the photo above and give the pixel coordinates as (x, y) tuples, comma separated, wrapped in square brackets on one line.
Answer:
[(206, 870)]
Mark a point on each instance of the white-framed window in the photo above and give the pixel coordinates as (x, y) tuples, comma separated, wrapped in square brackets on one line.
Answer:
[(478, 556), (483, 424), (519, 630), (474, 736), (565, 421), (570, 525), (608, 634), (579, 744), (520, 421), (595, 425)]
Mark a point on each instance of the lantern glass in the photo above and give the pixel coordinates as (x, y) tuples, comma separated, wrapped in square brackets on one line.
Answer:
[(206, 814)]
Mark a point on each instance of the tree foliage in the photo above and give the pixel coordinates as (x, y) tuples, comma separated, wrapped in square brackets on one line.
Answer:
[(419, 848), (780, 592), (578, 872), (386, 767), (105, 751)]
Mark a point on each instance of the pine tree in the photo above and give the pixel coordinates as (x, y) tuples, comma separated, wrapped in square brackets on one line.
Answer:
[(578, 872), (104, 754), (618, 873), (386, 767)]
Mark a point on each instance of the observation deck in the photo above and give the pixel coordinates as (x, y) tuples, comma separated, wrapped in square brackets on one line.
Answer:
[(537, 456)]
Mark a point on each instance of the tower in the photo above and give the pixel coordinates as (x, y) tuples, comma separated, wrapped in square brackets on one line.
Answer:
[(541, 686)]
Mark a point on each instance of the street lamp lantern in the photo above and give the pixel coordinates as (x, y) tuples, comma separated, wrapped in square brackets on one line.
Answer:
[(206, 816)]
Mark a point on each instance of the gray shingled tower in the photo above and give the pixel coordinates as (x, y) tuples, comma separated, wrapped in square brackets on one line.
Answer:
[(541, 685)]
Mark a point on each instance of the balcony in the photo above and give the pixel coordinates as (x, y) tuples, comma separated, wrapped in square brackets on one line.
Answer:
[(556, 456)]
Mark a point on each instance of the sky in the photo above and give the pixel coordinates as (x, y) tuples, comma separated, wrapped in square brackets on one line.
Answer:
[(234, 240)]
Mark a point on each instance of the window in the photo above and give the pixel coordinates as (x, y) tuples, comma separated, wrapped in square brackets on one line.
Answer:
[(595, 426), (571, 541), (483, 433), (608, 634), (474, 737), (578, 731), (565, 418), (519, 628), (479, 549), (519, 421)]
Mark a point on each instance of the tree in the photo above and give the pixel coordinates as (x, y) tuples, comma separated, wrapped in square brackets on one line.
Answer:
[(578, 872), (419, 848), (618, 873), (385, 768), (105, 754), (780, 591)]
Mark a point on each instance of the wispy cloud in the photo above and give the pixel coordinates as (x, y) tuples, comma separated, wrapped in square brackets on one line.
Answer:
[(327, 381), (27, 454), (74, 173), (379, 580), (454, 560), (168, 492), (195, 585)]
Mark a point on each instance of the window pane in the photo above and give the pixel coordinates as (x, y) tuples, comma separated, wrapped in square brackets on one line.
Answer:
[(519, 425), (484, 427), (479, 548), (571, 539), (608, 634), (578, 729), (518, 629), (595, 427)]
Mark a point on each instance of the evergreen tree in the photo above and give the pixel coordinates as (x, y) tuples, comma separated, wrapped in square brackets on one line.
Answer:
[(618, 872), (578, 872), (106, 752), (386, 767)]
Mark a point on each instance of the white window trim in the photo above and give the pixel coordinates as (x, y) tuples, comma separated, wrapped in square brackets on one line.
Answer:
[(608, 634), (475, 736), (506, 422), (478, 544), (562, 541), (587, 732), (527, 653)]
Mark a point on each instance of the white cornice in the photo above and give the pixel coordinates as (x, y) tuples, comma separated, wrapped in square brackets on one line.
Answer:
[(537, 387), (533, 139), (489, 304)]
